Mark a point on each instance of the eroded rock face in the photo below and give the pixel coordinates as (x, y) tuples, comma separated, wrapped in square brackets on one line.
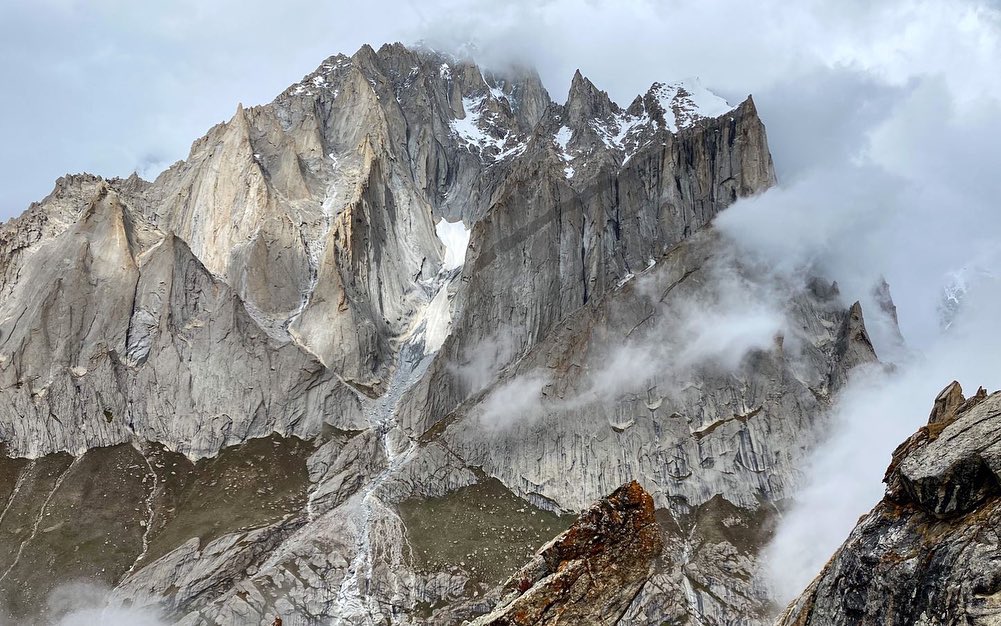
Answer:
[(591, 572), (928, 553), (286, 280)]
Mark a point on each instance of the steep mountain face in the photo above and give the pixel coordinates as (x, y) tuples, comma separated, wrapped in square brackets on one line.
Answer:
[(928, 553), (294, 405)]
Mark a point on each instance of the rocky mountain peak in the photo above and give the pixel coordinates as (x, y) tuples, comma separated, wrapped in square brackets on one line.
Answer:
[(946, 477), (679, 105), (282, 303), (589, 117), (586, 103)]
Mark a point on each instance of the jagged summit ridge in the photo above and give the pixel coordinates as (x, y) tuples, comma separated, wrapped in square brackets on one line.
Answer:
[(486, 112)]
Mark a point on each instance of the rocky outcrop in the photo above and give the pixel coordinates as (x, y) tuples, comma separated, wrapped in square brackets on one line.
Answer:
[(927, 554), (575, 236), (853, 346), (591, 572)]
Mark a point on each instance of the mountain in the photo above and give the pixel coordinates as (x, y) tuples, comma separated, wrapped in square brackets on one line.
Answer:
[(279, 380), (928, 553)]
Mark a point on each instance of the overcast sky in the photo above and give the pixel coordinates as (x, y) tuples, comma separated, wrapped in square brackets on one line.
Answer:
[(112, 86), (884, 119)]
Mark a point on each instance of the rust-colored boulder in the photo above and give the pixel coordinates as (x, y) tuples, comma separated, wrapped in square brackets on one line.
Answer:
[(590, 573)]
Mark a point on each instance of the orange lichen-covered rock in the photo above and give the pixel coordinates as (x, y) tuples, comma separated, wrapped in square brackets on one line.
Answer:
[(590, 573)]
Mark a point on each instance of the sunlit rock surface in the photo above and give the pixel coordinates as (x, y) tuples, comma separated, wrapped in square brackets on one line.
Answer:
[(591, 572)]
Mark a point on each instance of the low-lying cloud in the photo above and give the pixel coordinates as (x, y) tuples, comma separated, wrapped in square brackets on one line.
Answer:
[(714, 331), (878, 410), (912, 201), (85, 603)]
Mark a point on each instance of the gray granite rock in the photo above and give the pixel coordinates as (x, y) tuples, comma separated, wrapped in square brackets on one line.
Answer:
[(928, 553)]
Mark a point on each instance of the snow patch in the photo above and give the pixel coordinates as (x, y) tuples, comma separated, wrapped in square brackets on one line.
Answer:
[(470, 131), (455, 237), (622, 132), (563, 137), (468, 128), (683, 103), (317, 81), (497, 93), (514, 150)]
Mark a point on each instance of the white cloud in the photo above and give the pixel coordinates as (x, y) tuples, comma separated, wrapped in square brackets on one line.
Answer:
[(513, 401), (873, 415), (715, 332), (906, 192)]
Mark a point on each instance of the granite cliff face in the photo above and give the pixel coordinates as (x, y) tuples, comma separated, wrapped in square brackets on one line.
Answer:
[(928, 553), (269, 361)]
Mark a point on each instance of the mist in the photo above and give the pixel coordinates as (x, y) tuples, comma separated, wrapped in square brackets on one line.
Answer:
[(731, 318), (877, 411), (85, 603), (910, 199)]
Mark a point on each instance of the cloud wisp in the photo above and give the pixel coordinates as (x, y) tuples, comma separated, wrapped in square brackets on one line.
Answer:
[(909, 200), (876, 411), (85, 603), (715, 332)]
